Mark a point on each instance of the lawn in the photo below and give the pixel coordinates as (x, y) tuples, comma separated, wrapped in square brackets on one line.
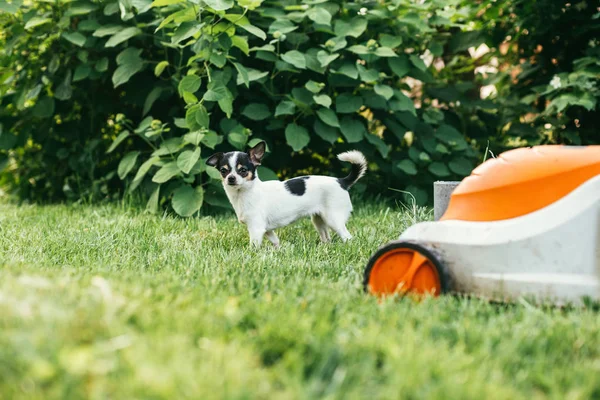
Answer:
[(108, 302)]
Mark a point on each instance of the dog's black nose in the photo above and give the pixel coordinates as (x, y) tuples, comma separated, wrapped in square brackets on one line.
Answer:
[(231, 180)]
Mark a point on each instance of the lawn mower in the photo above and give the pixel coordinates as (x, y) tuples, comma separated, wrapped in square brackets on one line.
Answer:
[(523, 225)]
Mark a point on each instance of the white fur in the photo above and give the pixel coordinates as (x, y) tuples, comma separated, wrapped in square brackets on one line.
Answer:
[(266, 206), (355, 157)]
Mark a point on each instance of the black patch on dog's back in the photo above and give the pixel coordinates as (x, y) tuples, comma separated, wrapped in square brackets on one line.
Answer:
[(296, 186)]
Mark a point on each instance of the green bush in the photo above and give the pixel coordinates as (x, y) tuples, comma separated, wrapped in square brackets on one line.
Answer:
[(145, 91), (548, 87), (57, 102)]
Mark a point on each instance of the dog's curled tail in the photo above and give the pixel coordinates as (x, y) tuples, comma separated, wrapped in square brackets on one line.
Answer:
[(359, 167)]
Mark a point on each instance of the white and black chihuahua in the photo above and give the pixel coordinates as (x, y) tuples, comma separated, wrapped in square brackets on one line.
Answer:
[(266, 206)]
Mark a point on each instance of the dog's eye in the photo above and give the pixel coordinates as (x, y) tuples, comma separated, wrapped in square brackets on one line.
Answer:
[(223, 170), (243, 170)]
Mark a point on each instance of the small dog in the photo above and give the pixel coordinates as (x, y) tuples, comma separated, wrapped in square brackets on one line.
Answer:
[(266, 206)]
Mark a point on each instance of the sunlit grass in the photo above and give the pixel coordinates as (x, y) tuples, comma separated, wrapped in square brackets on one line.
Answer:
[(107, 302)]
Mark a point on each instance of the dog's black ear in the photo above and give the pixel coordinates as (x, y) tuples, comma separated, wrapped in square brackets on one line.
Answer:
[(257, 153), (214, 159)]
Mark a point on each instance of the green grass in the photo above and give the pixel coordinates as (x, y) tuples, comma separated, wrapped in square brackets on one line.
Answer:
[(106, 302)]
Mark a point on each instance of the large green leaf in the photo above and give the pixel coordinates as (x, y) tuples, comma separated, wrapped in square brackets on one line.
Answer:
[(296, 136), (101, 65), (439, 169), (241, 43), (460, 166), (253, 75), (64, 91), (367, 75), (242, 76), (197, 117), (390, 41), (349, 70), (189, 83), (162, 3), (75, 37), (80, 8), (122, 36), (385, 52), (169, 146), (226, 103), (418, 62), (314, 87), (160, 67), (352, 129), (245, 24), (237, 140), (44, 108), (142, 171), (407, 166), (450, 135), (11, 8), (151, 98), (152, 205), (129, 63), (37, 21), (181, 16), (213, 173), (127, 163), (295, 58), (118, 140), (215, 92), (319, 15), (347, 103), (194, 137), (285, 108), (256, 111), (401, 102), (189, 98), (219, 5), (211, 139), (187, 200), (166, 172), (81, 72), (359, 49), (379, 144), (107, 30), (400, 66), (88, 25), (303, 96), (267, 174), (323, 100), (326, 132), (187, 159), (185, 31), (384, 91), (282, 26), (328, 116), (34, 93), (325, 58), (462, 41), (354, 27)]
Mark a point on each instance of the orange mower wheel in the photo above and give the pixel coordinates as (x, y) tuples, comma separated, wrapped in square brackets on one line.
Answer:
[(401, 267)]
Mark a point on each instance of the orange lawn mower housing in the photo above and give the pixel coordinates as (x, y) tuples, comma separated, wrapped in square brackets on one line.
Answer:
[(525, 223)]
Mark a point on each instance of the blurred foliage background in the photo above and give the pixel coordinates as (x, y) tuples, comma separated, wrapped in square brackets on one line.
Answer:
[(104, 98)]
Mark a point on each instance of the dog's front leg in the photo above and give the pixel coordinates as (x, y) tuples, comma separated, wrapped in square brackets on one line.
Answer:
[(272, 236), (256, 234)]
